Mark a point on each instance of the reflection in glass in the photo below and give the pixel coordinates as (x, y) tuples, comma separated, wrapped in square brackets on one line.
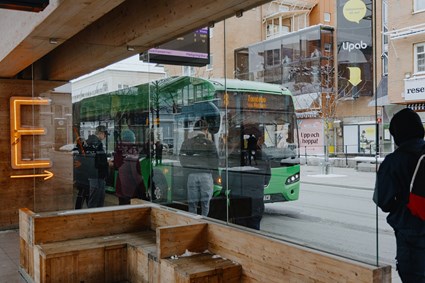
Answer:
[(252, 122), (301, 61)]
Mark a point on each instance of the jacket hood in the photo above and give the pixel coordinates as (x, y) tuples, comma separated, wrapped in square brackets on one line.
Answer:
[(406, 125), (92, 140)]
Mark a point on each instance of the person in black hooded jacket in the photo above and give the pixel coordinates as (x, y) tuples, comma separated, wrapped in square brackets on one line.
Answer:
[(97, 181), (392, 194)]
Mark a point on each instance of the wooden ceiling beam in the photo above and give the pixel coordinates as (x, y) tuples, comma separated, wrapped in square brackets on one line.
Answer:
[(142, 24), (35, 35)]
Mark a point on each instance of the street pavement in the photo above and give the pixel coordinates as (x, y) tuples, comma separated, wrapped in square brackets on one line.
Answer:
[(345, 177)]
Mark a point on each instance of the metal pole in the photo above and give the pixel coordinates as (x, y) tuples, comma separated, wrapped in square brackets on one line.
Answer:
[(346, 156)]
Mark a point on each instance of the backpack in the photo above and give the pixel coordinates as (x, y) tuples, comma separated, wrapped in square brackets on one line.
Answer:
[(416, 203)]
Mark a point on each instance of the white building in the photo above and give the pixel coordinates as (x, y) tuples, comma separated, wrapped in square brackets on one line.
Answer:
[(123, 74)]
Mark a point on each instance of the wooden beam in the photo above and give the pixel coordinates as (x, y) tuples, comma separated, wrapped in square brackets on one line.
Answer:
[(25, 224), (27, 87), (270, 260), (141, 24), (98, 222), (60, 21), (175, 240)]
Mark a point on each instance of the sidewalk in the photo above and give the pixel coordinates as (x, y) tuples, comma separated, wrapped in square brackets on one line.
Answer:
[(338, 176), (9, 257)]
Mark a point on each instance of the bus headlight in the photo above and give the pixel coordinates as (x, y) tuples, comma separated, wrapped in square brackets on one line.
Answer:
[(292, 179)]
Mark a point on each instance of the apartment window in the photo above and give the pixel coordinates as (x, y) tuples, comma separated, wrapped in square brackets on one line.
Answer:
[(327, 17), (420, 57), (275, 27), (384, 57), (419, 5)]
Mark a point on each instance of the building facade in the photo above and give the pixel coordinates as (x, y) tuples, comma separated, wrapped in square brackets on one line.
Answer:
[(406, 51), (323, 53)]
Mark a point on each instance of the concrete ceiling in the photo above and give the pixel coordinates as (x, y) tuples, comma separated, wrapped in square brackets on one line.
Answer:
[(71, 38)]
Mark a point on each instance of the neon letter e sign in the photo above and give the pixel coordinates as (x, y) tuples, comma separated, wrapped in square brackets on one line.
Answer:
[(17, 131)]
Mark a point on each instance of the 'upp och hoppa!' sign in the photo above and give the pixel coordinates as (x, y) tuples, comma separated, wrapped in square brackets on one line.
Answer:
[(311, 136)]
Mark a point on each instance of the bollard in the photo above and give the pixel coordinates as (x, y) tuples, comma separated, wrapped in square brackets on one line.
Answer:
[(346, 156)]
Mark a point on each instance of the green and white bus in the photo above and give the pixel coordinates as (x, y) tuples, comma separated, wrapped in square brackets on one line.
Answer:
[(165, 111)]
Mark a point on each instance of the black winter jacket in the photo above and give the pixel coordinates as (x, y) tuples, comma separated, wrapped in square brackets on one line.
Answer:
[(392, 186), (199, 155)]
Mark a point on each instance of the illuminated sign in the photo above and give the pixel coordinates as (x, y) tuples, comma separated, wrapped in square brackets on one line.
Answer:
[(226, 100), (257, 102), (17, 131), (24, 5), (192, 49), (47, 175)]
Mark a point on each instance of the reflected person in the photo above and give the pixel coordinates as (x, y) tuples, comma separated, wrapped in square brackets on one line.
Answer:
[(247, 182), (97, 181), (159, 147), (129, 183), (82, 186), (199, 158)]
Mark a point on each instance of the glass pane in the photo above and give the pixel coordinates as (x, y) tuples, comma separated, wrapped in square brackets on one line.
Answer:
[(421, 62), (263, 165), (419, 5), (257, 141)]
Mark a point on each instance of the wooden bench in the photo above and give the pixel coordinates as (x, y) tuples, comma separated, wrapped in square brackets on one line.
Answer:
[(148, 243), (197, 267), (95, 259), (83, 243), (97, 246)]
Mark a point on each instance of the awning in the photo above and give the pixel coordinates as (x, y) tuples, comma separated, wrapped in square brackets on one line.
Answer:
[(306, 101), (308, 114), (406, 31)]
